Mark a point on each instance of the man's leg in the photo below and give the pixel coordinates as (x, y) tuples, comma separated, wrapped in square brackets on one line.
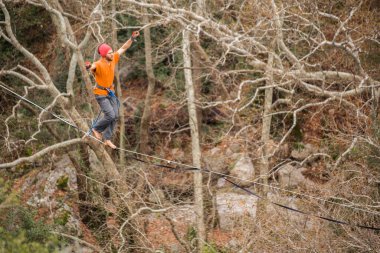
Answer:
[(109, 115), (109, 130)]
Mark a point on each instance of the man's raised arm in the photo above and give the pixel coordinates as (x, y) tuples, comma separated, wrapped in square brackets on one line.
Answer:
[(128, 43)]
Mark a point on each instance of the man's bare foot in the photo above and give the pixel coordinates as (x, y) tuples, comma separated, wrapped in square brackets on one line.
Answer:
[(97, 134), (110, 144)]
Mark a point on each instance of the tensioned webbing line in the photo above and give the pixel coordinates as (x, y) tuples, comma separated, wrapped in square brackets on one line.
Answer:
[(186, 165), (250, 192), (192, 168), (39, 107)]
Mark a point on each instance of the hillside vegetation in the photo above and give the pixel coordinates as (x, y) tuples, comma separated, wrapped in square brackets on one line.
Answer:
[(245, 126)]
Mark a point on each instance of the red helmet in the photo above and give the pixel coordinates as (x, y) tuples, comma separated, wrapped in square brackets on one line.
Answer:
[(103, 49)]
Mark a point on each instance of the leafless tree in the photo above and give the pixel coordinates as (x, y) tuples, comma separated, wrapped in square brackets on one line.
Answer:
[(146, 116), (276, 68)]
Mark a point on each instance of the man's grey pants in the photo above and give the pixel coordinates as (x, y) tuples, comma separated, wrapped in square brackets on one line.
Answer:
[(110, 108)]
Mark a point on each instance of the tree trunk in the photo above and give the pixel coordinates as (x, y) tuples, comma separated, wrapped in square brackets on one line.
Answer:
[(196, 65), (196, 152), (118, 90), (80, 59), (145, 119), (196, 74), (267, 119)]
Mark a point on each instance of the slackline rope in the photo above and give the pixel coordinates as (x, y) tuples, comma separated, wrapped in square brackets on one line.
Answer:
[(250, 192), (221, 175)]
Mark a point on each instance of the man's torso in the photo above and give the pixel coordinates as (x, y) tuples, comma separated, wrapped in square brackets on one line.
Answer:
[(104, 74)]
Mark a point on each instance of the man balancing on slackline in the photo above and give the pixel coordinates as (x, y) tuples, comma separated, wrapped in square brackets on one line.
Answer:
[(104, 90)]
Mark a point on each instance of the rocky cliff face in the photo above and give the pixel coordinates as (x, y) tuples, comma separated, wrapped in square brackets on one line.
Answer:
[(53, 192)]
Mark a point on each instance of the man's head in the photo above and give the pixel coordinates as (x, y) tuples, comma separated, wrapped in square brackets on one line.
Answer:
[(105, 51)]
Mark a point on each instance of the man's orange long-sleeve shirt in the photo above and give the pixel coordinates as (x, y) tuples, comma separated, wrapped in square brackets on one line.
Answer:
[(105, 73)]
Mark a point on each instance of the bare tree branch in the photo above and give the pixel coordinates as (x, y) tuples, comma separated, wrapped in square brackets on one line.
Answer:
[(41, 153)]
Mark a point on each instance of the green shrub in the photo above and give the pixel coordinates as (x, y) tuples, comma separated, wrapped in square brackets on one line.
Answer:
[(63, 183), (19, 232), (191, 234), (63, 218), (212, 248), (18, 243)]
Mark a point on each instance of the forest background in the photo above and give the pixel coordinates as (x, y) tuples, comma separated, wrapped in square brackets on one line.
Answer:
[(275, 102)]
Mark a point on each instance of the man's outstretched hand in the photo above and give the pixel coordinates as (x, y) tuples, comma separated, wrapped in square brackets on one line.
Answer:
[(88, 65), (135, 34)]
